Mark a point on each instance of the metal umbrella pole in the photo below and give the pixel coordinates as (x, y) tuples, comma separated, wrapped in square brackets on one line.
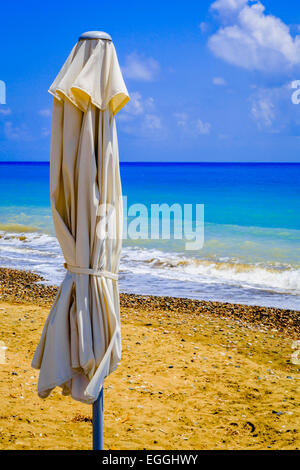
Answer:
[(98, 422)]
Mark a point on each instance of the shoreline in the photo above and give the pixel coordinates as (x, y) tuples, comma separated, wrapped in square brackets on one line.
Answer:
[(25, 287), (167, 271)]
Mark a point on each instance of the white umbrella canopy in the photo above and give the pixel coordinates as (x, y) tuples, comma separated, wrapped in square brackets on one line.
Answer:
[(81, 343)]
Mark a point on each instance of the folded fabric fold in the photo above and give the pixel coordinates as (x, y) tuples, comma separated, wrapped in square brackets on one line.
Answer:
[(91, 272), (92, 73), (81, 340)]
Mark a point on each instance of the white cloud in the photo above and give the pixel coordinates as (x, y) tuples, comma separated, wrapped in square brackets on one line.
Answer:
[(273, 111), (45, 132), (219, 81), (15, 132), (181, 119), (137, 106), (152, 122), (203, 127), (192, 127), (10, 132), (204, 27), (5, 111), (263, 111), (253, 40), (139, 116), (140, 68), (45, 112), (133, 108), (225, 6), (223, 136)]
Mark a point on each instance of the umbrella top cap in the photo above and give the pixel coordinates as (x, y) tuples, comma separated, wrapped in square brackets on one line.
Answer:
[(95, 35)]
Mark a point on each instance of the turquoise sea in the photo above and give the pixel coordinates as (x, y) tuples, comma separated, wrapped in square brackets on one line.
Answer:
[(251, 252)]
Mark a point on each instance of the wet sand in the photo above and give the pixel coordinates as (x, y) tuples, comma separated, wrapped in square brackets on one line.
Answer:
[(194, 375)]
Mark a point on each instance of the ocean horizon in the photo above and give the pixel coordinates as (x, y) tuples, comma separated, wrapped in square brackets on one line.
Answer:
[(251, 252)]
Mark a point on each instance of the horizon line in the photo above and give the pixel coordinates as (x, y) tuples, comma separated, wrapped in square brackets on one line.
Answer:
[(156, 162)]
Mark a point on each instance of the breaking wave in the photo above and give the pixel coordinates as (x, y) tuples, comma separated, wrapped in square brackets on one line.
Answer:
[(282, 278), (143, 269)]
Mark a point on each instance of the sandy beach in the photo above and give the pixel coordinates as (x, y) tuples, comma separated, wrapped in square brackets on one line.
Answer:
[(194, 375)]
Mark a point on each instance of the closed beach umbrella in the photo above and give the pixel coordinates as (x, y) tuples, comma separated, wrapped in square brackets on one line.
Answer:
[(80, 343)]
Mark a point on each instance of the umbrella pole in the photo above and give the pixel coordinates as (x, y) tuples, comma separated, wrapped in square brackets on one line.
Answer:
[(98, 422)]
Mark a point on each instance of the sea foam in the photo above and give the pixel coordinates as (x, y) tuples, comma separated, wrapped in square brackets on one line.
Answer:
[(143, 269)]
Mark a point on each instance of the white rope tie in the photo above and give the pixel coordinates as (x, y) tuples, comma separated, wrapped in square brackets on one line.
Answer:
[(91, 272)]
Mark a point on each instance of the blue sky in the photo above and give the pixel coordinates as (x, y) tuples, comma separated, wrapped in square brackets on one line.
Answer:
[(209, 80)]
